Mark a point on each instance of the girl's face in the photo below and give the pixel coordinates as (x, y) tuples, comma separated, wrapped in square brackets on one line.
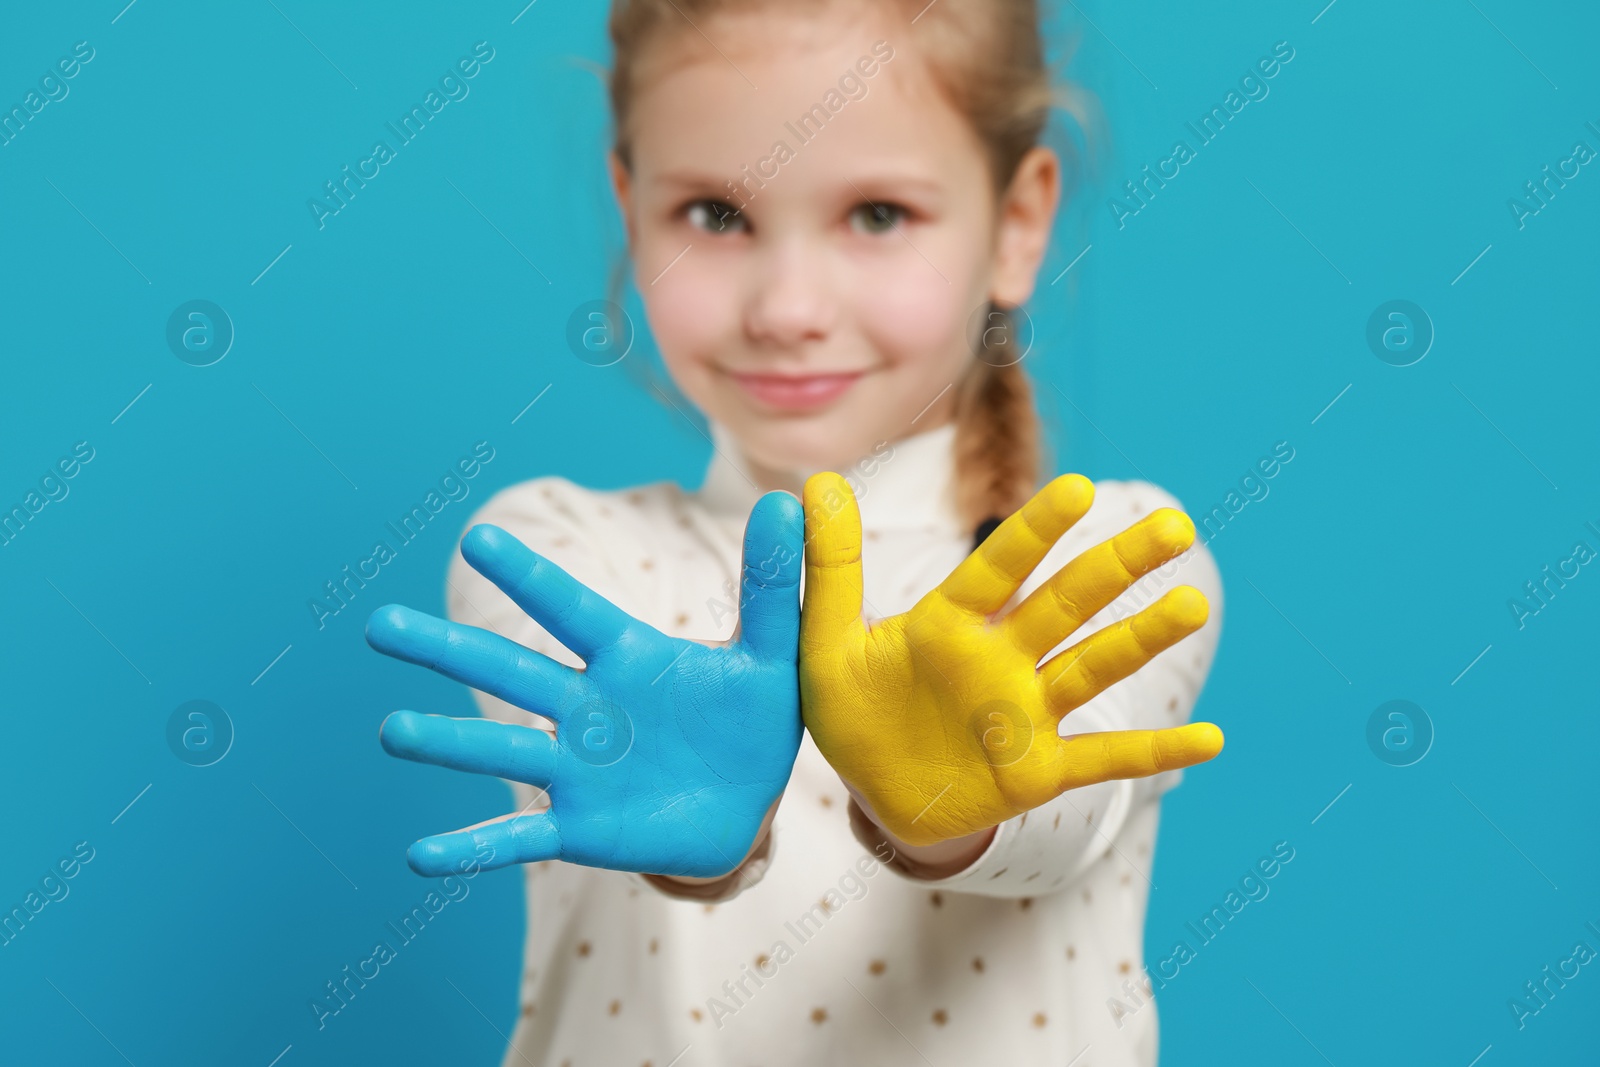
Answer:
[(821, 301)]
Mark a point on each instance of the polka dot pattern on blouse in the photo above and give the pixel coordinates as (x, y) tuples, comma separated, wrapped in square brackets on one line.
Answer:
[(820, 952)]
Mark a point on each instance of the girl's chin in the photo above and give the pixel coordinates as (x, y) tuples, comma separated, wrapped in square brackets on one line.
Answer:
[(807, 444)]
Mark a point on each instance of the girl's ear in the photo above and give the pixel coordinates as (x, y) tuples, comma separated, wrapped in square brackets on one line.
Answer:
[(1026, 214), (621, 184)]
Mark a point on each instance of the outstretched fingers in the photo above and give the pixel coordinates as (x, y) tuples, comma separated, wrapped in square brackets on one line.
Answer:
[(986, 579), (479, 746), (769, 584), (1084, 759), (1075, 675), (480, 658), (832, 561), (575, 615), (1095, 578), (497, 843)]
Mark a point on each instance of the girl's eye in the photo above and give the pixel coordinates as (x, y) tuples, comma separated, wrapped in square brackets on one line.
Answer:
[(877, 218), (714, 216)]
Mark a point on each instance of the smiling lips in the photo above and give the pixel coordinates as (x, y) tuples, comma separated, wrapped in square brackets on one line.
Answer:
[(795, 393)]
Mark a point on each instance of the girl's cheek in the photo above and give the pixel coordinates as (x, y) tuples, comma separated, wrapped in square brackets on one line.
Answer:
[(909, 322), (691, 310)]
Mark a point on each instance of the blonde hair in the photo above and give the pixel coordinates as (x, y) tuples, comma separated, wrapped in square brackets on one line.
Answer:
[(988, 57)]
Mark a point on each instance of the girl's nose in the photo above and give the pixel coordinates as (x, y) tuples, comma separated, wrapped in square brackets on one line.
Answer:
[(790, 296)]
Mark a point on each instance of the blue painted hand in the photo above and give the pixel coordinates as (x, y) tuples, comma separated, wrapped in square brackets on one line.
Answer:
[(667, 753)]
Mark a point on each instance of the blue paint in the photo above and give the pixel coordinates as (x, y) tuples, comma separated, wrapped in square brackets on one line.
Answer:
[(667, 753)]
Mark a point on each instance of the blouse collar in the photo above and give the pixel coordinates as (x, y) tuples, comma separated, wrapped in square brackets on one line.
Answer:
[(908, 483)]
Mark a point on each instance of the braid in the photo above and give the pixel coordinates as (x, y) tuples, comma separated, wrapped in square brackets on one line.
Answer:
[(997, 450)]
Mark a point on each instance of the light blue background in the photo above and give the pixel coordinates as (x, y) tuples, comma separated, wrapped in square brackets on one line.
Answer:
[(1222, 318)]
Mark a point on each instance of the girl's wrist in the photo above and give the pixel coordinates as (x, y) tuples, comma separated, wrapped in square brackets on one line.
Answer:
[(927, 862), (756, 847)]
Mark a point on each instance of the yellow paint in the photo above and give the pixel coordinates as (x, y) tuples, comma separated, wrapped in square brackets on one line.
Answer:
[(942, 717)]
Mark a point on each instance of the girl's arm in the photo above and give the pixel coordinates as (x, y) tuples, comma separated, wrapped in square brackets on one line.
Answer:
[(1048, 848)]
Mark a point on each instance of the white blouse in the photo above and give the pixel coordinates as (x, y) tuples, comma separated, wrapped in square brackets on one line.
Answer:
[(820, 953)]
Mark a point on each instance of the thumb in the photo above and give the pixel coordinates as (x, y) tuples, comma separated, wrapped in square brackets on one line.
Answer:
[(833, 560), (769, 582)]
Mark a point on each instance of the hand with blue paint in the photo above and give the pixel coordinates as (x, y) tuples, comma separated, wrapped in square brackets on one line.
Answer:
[(668, 754)]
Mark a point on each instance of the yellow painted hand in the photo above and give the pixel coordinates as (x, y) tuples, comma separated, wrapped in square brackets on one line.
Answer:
[(942, 717)]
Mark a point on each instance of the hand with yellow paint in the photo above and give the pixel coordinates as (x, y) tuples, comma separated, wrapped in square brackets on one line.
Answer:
[(941, 718)]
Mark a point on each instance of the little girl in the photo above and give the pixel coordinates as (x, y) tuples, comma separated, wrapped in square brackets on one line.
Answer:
[(825, 204)]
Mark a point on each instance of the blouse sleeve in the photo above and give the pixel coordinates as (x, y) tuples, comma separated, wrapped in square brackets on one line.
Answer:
[(559, 520), (1048, 849)]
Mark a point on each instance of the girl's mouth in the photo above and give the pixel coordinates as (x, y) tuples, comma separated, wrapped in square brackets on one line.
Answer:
[(795, 392)]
